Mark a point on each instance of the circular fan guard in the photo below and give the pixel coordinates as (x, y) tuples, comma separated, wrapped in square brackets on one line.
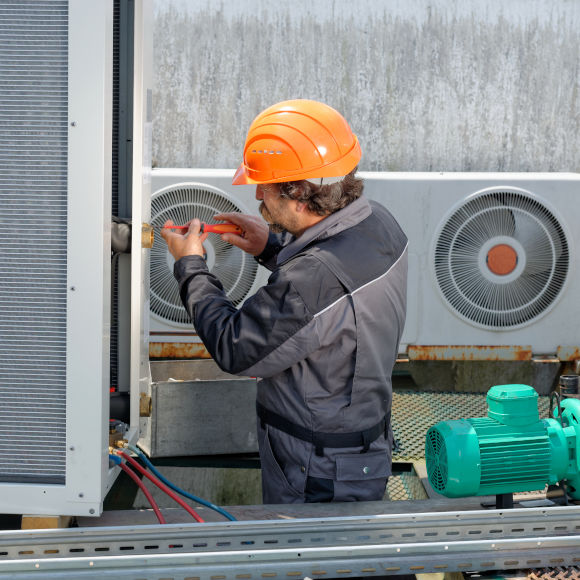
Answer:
[(517, 227), (234, 268), (436, 459)]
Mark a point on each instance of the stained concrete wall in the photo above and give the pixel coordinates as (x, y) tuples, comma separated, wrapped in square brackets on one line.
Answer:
[(428, 85)]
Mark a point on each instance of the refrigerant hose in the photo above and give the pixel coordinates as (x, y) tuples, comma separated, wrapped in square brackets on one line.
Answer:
[(160, 485), (184, 493)]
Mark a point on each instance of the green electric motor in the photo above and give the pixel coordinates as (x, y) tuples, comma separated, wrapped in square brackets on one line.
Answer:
[(510, 450)]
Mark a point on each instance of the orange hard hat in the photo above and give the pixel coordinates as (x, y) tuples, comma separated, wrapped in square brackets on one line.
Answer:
[(295, 140)]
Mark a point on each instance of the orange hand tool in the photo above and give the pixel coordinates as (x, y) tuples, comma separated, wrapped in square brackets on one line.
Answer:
[(225, 228)]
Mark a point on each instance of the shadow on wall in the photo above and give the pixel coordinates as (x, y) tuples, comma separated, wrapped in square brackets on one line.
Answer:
[(427, 86)]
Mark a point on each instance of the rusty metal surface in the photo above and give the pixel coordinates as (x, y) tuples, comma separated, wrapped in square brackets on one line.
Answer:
[(178, 350), (469, 352), (193, 350), (196, 350), (568, 353)]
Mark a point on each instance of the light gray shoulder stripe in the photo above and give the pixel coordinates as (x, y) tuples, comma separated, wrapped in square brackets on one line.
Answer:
[(365, 285)]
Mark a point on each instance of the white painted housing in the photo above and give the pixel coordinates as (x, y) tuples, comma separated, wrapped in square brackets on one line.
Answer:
[(423, 203), (55, 301)]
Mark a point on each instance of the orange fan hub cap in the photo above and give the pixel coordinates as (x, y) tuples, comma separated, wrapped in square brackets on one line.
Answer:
[(502, 260)]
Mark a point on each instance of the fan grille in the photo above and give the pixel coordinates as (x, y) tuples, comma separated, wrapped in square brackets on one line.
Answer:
[(235, 269), (436, 459), (509, 223)]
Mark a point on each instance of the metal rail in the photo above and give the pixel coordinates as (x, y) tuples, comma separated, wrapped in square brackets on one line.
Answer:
[(326, 548)]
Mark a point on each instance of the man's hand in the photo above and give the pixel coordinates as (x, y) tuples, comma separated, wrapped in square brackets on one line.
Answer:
[(255, 232), (184, 242)]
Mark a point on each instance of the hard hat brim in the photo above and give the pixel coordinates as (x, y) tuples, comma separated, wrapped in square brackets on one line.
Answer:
[(241, 177)]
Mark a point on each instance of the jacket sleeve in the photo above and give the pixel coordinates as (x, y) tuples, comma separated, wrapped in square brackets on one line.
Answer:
[(260, 335), (275, 243)]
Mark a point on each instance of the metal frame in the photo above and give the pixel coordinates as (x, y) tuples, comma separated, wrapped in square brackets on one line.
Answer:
[(330, 547), (140, 381), (89, 282)]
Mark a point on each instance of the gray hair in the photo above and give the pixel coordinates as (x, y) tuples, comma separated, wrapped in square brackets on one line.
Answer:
[(324, 199)]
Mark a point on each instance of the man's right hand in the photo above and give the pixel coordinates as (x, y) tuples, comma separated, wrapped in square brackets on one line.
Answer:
[(184, 243), (255, 232)]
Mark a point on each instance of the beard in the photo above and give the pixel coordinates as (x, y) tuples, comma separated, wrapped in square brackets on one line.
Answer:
[(274, 227)]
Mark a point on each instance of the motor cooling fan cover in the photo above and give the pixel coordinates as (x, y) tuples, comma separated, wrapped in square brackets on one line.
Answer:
[(436, 458), (234, 268), (501, 258)]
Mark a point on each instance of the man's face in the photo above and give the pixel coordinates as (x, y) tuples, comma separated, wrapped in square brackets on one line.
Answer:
[(275, 210)]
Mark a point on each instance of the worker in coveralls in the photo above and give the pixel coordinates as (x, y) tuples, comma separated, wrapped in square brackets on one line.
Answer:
[(323, 334)]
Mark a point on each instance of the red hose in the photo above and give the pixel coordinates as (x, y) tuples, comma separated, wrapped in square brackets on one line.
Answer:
[(147, 493), (161, 486)]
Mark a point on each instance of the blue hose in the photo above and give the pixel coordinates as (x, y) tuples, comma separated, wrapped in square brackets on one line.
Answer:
[(184, 493)]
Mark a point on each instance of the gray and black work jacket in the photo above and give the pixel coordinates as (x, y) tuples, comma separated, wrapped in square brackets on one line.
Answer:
[(322, 335)]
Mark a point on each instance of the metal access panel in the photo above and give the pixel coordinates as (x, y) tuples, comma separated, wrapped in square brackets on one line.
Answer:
[(55, 255)]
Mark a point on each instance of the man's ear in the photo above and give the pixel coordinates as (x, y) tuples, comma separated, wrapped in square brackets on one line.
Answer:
[(301, 206)]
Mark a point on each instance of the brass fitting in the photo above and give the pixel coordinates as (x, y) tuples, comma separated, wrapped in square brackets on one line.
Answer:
[(145, 405), (147, 236)]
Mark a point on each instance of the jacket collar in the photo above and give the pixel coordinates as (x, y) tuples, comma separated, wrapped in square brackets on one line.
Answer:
[(337, 222)]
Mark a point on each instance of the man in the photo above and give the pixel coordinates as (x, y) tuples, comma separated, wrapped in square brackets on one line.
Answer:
[(322, 335)]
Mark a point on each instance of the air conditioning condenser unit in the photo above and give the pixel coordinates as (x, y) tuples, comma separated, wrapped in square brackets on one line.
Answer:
[(61, 156)]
